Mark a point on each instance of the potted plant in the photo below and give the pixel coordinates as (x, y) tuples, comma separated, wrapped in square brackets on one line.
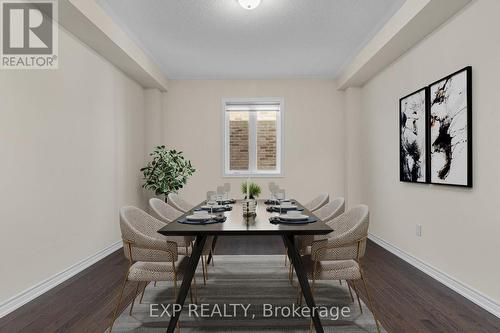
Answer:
[(167, 172), (252, 192)]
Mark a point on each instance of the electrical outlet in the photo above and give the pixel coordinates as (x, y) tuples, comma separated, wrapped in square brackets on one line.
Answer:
[(419, 230)]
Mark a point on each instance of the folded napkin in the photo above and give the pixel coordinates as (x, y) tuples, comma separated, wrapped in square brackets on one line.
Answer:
[(227, 202), (275, 202), (274, 209), (217, 209), (215, 219), (278, 220)]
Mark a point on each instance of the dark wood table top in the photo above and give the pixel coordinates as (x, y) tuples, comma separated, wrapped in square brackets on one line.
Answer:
[(237, 224)]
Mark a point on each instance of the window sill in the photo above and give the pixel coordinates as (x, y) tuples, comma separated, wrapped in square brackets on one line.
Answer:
[(254, 175)]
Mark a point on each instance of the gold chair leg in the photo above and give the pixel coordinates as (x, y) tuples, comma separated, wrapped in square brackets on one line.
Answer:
[(312, 293), (206, 267), (350, 291), (118, 303), (370, 301), (143, 291), (357, 295), (175, 289), (133, 300), (203, 270)]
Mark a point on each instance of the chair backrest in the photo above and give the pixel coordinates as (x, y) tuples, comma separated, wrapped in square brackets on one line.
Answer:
[(141, 229), (163, 211), (178, 203), (317, 202), (349, 228), (331, 210)]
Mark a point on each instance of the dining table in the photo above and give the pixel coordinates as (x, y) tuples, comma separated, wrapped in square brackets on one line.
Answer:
[(236, 224)]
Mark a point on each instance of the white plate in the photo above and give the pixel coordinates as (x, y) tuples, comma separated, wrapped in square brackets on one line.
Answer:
[(209, 207), (199, 217), (294, 217), (286, 207)]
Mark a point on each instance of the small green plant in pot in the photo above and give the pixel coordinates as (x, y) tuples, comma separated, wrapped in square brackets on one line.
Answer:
[(167, 172), (253, 190)]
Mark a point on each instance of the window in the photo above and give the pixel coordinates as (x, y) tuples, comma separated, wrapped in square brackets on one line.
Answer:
[(253, 137)]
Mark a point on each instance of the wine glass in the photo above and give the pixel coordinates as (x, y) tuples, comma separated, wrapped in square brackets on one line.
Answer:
[(280, 196), (211, 200)]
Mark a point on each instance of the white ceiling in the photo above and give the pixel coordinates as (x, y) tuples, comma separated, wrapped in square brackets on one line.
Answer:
[(215, 39)]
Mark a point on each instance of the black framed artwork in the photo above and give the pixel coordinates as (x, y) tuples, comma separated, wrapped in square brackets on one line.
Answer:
[(413, 137), (450, 129)]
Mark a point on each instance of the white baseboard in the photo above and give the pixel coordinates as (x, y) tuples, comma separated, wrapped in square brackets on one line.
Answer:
[(461, 288), (31, 293)]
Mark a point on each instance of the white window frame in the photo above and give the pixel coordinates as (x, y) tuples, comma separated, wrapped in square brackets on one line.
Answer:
[(252, 149)]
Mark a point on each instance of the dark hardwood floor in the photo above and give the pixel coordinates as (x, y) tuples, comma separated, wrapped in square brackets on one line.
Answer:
[(406, 299)]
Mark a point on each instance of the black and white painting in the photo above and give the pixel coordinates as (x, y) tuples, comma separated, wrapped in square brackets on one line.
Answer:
[(450, 129), (413, 137)]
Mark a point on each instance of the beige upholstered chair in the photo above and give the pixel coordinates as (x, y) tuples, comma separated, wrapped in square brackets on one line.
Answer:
[(337, 255), (178, 203), (167, 214), (330, 210), (151, 256), (326, 213), (317, 202)]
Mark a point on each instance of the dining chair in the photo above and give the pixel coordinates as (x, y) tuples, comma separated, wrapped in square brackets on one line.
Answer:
[(317, 202), (337, 256), (167, 214), (151, 256), (178, 203), (326, 213)]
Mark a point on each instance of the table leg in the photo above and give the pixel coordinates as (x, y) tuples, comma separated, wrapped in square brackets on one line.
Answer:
[(213, 248), (188, 277), (295, 259)]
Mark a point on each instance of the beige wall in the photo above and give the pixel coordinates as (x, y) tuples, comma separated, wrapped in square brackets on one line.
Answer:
[(71, 146), (313, 133), (460, 226)]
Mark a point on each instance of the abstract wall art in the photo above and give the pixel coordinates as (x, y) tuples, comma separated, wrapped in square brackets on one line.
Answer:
[(450, 123), (413, 137)]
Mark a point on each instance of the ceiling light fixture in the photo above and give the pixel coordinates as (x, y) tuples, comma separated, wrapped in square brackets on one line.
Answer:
[(249, 4)]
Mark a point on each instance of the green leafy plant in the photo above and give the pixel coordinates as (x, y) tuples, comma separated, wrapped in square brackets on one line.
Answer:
[(253, 190), (167, 172)]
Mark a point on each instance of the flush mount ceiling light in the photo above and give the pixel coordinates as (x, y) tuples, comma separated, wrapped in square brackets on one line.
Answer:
[(249, 4)]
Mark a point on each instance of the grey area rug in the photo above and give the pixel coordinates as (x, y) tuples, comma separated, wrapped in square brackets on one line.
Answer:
[(257, 282)]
